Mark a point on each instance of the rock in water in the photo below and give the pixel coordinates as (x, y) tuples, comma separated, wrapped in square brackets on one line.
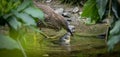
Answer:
[(59, 11), (66, 14), (48, 1), (75, 10), (80, 13), (72, 28)]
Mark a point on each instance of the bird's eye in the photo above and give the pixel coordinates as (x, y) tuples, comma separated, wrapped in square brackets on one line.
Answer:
[(39, 22)]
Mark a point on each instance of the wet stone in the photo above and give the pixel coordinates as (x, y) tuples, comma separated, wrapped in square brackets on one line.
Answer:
[(59, 10), (66, 14), (72, 28), (48, 1), (75, 10)]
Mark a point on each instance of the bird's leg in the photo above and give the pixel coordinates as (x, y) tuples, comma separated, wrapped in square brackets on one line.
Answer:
[(60, 33), (44, 35)]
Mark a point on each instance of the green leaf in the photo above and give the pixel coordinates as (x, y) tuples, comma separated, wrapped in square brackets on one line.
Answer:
[(90, 11), (101, 6), (34, 12), (14, 23), (116, 28), (23, 5), (112, 41), (114, 34), (6, 16), (115, 8), (8, 43), (27, 19), (35, 29), (89, 21)]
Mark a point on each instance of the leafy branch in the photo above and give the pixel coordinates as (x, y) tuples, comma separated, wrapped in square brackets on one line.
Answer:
[(105, 9), (17, 14)]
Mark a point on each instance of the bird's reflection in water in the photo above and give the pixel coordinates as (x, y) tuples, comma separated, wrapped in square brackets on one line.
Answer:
[(65, 41)]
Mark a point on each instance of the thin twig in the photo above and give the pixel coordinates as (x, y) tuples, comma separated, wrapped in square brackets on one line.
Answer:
[(22, 49), (108, 21)]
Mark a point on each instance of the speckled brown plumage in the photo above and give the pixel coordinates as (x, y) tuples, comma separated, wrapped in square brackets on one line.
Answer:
[(52, 19)]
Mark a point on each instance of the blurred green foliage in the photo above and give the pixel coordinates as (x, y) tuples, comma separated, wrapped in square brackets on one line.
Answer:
[(18, 15), (98, 10)]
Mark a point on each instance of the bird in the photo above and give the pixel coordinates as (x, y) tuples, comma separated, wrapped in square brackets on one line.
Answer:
[(52, 20)]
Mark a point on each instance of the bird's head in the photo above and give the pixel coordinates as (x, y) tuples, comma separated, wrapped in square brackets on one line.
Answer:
[(39, 23)]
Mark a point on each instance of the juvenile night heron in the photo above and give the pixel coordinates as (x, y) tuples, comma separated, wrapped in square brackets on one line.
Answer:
[(52, 19)]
